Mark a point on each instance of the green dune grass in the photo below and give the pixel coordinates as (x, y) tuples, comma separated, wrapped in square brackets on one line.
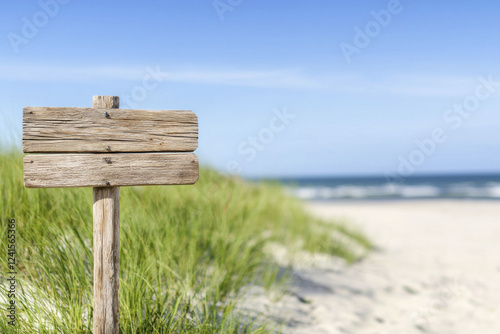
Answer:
[(186, 252)]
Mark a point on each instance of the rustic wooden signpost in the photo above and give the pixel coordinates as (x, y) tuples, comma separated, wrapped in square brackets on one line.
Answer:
[(105, 147)]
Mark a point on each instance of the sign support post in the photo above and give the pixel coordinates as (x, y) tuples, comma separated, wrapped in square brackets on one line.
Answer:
[(106, 211)]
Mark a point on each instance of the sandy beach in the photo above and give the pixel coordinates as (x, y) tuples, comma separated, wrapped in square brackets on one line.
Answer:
[(437, 270)]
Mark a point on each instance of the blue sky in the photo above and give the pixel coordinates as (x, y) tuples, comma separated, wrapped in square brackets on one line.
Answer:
[(240, 64)]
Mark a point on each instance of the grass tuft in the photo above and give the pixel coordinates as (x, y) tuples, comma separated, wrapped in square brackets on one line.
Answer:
[(186, 252)]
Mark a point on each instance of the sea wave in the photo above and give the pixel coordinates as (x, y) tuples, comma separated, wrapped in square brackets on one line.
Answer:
[(391, 191)]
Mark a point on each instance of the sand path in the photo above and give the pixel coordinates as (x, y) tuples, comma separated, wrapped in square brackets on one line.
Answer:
[(437, 271)]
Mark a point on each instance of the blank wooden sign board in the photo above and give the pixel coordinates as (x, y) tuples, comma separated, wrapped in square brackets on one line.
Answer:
[(105, 147)]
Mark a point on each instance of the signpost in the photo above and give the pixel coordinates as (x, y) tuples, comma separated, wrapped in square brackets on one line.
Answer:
[(105, 147)]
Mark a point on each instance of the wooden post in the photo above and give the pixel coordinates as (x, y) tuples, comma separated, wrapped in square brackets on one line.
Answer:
[(106, 247)]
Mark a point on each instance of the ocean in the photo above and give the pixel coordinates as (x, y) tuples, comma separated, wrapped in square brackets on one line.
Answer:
[(379, 188)]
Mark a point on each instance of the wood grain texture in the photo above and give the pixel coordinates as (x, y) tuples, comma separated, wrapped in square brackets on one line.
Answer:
[(105, 101), (104, 170), (99, 130), (106, 211), (106, 247)]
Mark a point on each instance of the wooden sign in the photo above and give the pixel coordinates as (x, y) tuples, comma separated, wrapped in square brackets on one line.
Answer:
[(93, 130), (105, 147)]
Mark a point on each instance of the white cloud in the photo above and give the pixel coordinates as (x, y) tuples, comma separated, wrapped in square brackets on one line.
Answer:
[(409, 84), (274, 78), (260, 78)]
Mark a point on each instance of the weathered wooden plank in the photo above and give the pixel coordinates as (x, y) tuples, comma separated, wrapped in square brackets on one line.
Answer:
[(94, 130), (116, 169)]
